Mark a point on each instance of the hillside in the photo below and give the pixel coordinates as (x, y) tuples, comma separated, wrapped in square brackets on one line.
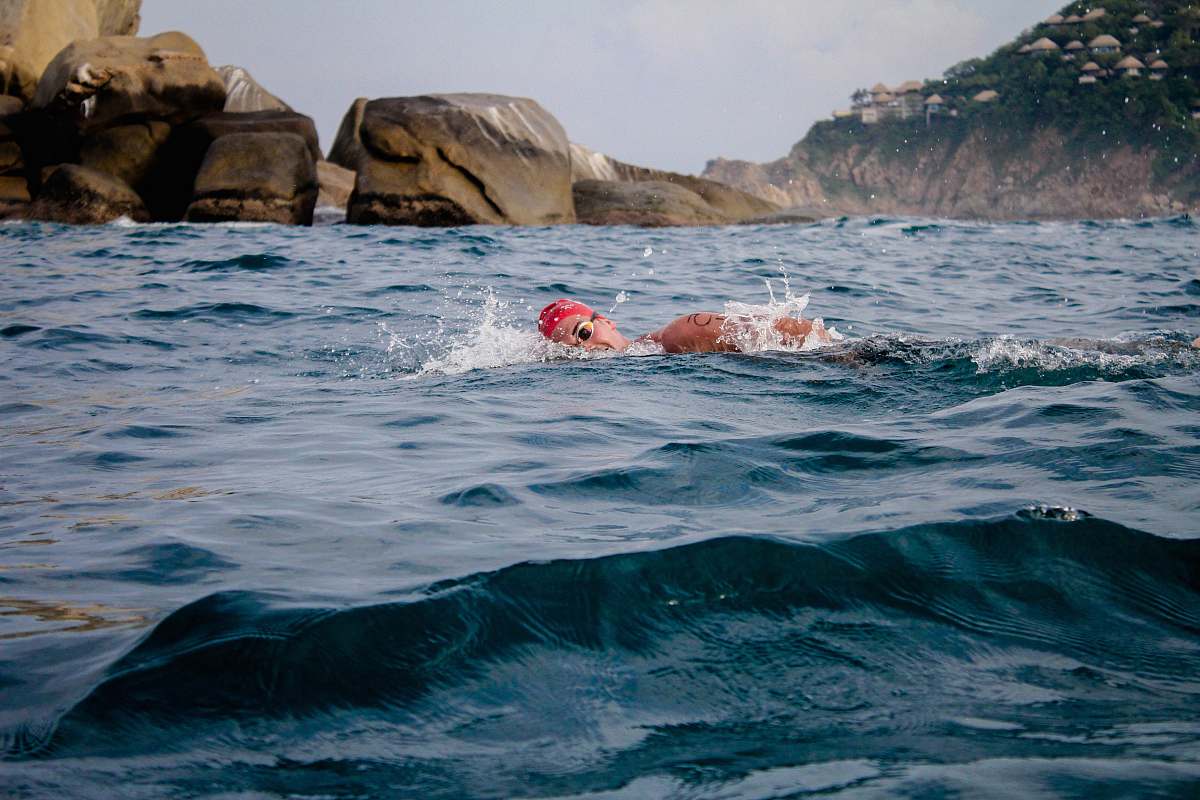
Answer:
[(1094, 112)]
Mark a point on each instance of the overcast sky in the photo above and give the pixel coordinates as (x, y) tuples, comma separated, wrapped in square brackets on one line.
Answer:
[(661, 83)]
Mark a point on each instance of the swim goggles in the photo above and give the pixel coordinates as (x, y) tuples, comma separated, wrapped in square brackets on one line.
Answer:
[(586, 329)]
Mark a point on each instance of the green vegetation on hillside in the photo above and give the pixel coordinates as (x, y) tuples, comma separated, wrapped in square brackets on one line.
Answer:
[(1043, 91)]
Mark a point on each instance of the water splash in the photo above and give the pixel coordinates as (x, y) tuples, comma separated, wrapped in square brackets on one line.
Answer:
[(498, 334), (753, 327)]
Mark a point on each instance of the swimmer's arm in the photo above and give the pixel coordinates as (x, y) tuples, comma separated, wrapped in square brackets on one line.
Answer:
[(696, 333), (703, 332)]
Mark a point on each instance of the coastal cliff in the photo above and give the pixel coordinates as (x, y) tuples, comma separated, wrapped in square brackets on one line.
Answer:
[(1061, 123)]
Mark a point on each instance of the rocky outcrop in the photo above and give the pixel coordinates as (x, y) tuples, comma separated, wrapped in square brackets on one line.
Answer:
[(82, 196), (32, 32), (336, 184), (256, 177), (645, 203), (1043, 174), (14, 189), (99, 82), (460, 159), (243, 93), (347, 145), (725, 204), (127, 152), (170, 193)]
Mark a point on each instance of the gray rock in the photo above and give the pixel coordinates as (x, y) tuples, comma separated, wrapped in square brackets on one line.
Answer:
[(347, 145), (82, 196), (127, 152), (736, 205), (459, 159), (256, 177), (644, 203), (169, 193), (336, 185), (243, 93), (98, 82)]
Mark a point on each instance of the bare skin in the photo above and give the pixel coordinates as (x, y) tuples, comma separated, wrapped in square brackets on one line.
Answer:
[(701, 332)]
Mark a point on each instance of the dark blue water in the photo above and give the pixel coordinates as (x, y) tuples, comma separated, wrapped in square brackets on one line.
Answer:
[(314, 513)]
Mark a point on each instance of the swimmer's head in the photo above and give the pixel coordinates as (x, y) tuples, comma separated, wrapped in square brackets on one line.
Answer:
[(573, 323)]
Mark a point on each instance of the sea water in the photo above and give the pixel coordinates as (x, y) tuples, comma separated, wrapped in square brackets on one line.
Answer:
[(316, 513)]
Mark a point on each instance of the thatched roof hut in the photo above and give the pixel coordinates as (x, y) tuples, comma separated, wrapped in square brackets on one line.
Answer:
[(1141, 19), (1091, 68), (1093, 15), (1087, 79), (1054, 19), (1075, 46), (1043, 45), (935, 100), (986, 96), (909, 86), (1105, 43), (1073, 20)]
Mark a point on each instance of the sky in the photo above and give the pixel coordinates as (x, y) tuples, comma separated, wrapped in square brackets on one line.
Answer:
[(659, 83)]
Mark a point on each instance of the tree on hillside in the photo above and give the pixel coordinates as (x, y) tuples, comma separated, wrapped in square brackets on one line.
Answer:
[(860, 97)]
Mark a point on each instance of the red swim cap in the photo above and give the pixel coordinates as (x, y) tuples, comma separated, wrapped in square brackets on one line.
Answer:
[(555, 312)]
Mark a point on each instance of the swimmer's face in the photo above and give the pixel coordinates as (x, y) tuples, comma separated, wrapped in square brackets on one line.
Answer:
[(589, 331)]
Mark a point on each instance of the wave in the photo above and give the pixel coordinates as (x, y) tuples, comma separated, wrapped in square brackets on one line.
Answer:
[(728, 631)]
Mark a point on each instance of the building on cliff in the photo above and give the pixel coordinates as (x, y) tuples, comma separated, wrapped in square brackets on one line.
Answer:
[(1104, 45), (1042, 47), (1130, 67)]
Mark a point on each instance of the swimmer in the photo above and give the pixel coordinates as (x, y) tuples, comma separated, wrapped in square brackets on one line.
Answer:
[(575, 324)]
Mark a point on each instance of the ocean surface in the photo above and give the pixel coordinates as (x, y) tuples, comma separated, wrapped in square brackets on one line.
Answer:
[(316, 514)]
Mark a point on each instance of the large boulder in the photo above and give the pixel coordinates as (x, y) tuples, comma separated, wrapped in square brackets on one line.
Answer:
[(14, 188), (733, 204), (336, 184), (256, 177), (32, 32), (82, 196), (128, 152), (98, 82), (169, 194), (243, 93), (459, 159), (646, 203), (347, 144)]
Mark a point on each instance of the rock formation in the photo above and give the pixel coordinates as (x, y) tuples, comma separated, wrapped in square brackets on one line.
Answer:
[(256, 177), (691, 201), (459, 159), (100, 81), (645, 203), (170, 193), (1043, 177), (347, 144), (128, 152), (14, 188), (32, 32), (336, 184), (82, 196), (243, 93)]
